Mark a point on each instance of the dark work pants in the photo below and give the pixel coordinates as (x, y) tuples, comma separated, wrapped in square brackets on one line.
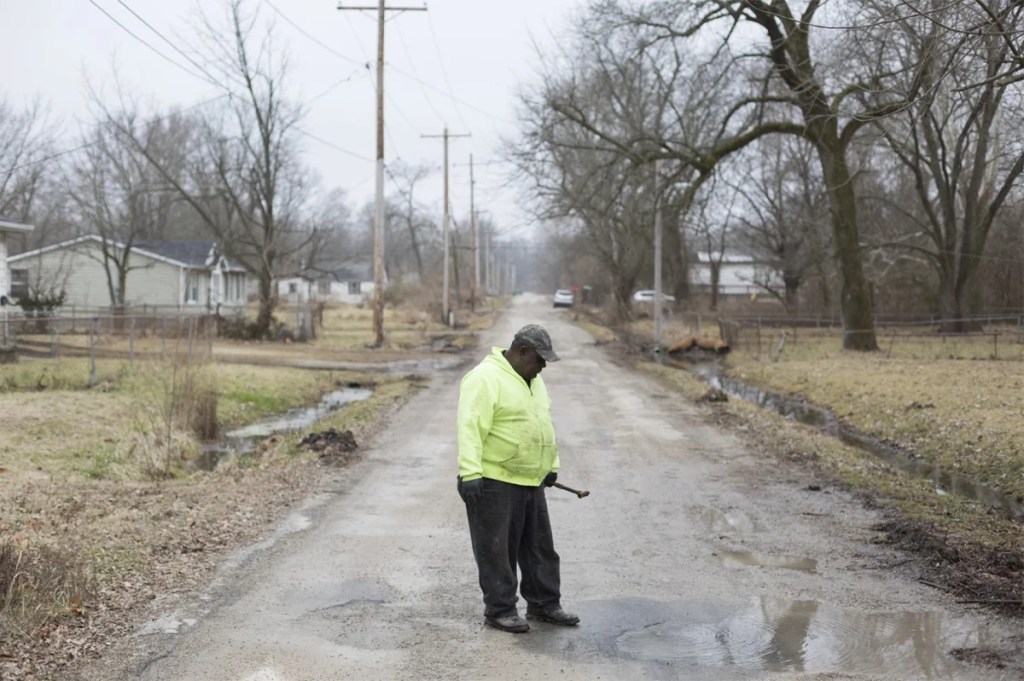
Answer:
[(509, 525)]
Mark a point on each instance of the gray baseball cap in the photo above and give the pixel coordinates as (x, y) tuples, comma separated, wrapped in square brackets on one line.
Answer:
[(536, 336)]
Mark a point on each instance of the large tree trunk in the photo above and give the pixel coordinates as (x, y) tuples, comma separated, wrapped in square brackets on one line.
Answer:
[(267, 303), (858, 322), (716, 277), (792, 286)]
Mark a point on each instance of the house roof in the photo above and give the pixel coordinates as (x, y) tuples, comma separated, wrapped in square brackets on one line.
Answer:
[(7, 225), (188, 254), (352, 271), (195, 252), (730, 258)]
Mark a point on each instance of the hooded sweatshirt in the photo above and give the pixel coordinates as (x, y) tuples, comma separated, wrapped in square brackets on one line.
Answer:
[(504, 425)]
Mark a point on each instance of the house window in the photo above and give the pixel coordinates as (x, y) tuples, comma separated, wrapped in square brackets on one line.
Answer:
[(19, 283), (355, 288), (324, 288), (293, 287)]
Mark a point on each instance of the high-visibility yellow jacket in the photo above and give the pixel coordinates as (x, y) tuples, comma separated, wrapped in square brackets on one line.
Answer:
[(504, 425)]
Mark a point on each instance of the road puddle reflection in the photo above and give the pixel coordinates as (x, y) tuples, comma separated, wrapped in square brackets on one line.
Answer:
[(738, 559), (776, 635), (727, 521)]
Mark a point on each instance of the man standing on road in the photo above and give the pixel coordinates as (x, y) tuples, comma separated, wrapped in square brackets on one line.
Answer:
[(507, 456)]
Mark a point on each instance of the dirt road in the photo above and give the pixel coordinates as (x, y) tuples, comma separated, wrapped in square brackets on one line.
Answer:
[(692, 559)]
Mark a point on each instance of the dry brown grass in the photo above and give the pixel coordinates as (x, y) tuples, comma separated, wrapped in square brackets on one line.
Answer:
[(964, 415), (40, 582)]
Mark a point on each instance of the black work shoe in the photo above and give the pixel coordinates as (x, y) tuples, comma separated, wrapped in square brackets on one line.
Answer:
[(513, 623), (553, 616)]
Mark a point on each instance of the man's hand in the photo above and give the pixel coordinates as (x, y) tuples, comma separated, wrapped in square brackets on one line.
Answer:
[(550, 478), (471, 489)]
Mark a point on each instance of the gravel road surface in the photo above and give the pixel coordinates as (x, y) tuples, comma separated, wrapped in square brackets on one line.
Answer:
[(693, 558)]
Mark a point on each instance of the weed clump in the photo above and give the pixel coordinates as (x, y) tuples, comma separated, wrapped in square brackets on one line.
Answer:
[(38, 584)]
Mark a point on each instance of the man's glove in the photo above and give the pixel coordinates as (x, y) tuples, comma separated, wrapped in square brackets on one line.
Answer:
[(471, 489), (550, 478)]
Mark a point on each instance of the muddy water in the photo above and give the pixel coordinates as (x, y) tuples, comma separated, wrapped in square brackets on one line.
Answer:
[(775, 635), (943, 480), (244, 440)]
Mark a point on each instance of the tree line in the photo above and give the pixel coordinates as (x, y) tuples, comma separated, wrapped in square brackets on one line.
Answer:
[(869, 150)]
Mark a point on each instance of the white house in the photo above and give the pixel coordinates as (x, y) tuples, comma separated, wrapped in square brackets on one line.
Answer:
[(739, 275), (188, 276), (296, 289), (8, 228), (347, 282)]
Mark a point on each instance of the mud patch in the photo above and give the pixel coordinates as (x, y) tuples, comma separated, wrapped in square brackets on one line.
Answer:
[(979, 575), (333, 446)]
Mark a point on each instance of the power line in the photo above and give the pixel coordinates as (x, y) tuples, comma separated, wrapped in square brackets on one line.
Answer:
[(364, 64), (177, 49), (444, 71), (412, 62), (334, 146), (141, 40)]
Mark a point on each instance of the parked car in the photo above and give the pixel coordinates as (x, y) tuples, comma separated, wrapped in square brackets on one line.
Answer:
[(564, 298), (647, 296)]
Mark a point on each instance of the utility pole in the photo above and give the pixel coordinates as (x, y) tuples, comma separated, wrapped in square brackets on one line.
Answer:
[(378, 220), (446, 136), (657, 256), (475, 281)]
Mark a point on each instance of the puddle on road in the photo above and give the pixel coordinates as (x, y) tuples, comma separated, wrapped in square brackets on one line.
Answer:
[(775, 635), (943, 480), (727, 521), (740, 559)]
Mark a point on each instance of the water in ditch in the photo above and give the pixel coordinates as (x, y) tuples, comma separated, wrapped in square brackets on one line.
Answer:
[(943, 480), (245, 439)]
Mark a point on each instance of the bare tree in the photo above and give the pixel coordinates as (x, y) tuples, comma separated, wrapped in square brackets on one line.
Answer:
[(407, 212), (961, 144), (25, 147), (120, 196), (744, 87), (785, 211), (245, 179)]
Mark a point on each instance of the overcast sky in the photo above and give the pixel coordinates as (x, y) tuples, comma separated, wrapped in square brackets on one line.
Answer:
[(459, 64)]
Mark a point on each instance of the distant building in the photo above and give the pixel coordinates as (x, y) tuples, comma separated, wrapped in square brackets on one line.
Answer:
[(8, 228), (738, 275), (349, 281), (190, 276)]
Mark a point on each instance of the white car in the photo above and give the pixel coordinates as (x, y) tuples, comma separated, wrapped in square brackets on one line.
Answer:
[(563, 298), (647, 296)]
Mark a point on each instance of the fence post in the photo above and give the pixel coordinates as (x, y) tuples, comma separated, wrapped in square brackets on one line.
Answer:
[(995, 344), (53, 339), (131, 341), (94, 327)]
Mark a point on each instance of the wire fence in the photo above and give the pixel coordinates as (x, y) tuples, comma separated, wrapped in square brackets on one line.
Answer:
[(994, 337), (78, 331)]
